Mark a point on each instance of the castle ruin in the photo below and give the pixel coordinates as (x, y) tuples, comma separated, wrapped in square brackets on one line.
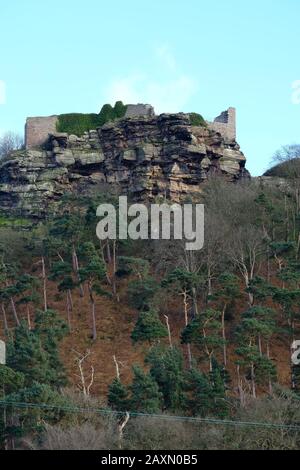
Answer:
[(38, 129), (225, 124), (134, 110)]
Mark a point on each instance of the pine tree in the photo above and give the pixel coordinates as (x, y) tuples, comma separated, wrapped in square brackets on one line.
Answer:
[(32, 420), (51, 329), (227, 292), (118, 396), (148, 327), (205, 332), (27, 287), (26, 355), (198, 393), (93, 273), (35, 352), (9, 289), (166, 367), (145, 395), (66, 233), (62, 273), (184, 284), (10, 382), (260, 289), (218, 385), (141, 293), (129, 265)]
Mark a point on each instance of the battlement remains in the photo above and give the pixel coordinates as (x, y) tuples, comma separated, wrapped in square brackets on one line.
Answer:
[(225, 124), (37, 130), (135, 110)]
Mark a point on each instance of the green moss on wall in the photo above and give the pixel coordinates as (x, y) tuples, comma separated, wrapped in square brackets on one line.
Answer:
[(78, 123)]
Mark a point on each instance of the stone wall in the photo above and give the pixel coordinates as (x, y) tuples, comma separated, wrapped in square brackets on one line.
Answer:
[(225, 124), (139, 110), (37, 130)]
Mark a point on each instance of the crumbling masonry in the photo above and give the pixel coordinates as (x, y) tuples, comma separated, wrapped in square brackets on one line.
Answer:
[(38, 129)]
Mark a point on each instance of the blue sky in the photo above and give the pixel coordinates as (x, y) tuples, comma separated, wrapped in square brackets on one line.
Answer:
[(73, 56)]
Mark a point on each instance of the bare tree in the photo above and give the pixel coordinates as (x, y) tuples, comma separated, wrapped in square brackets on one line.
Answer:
[(169, 330), (121, 426), (246, 249), (9, 142), (287, 153), (83, 386)]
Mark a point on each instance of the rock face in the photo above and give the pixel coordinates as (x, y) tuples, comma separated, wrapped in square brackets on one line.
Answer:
[(145, 157)]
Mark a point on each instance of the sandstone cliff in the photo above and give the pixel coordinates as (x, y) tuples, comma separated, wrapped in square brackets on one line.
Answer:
[(144, 157)]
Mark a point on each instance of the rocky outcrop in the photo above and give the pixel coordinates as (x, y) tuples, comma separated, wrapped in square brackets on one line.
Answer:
[(144, 157)]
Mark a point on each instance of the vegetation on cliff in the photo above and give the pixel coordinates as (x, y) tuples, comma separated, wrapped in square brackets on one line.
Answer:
[(197, 120), (78, 124)]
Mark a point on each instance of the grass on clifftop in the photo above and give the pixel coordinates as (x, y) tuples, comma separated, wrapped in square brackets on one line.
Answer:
[(78, 123), (197, 120)]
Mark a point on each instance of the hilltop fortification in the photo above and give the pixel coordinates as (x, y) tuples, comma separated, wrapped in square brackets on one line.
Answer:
[(38, 129), (144, 156)]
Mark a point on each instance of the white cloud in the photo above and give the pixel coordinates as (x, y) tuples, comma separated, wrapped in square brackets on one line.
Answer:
[(165, 55), (168, 94), (2, 92), (296, 92)]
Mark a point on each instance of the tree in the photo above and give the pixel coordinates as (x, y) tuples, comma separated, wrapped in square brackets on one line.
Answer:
[(67, 229), (25, 355), (204, 332), (129, 265), (34, 374), (246, 250), (148, 327), (289, 301), (34, 352), (27, 288), (257, 323), (281, 251), (51, 329), (166, 367), (32, 420), (141, 293), (106, 114), (84, 384), (228, 291), (10, 382), (261, 321), (118, 396), (119, 109), (260, 289), (198, 391), (236, 212), (145, 394), (8, 274), (218, 380), (184, 283), (205, 394), (92, 272), (62, 272), (10, 142), (287, 162)]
